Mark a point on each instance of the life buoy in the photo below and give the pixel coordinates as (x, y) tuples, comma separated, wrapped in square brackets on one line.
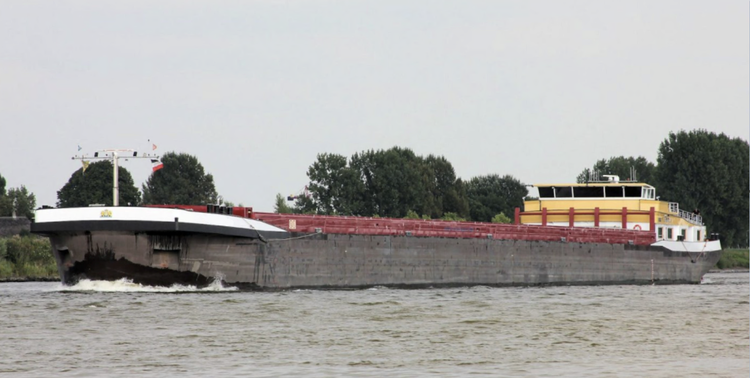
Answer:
[(637, 227)]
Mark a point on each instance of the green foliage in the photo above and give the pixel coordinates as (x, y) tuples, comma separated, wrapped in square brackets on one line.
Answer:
[(411, 214), (620, 166), (26, 256), (709, 172), (182, 181), (6, 206), (501, 218), (304, 205), (388, 183), (426, 217), (95, 186), (734, 259), (451, 216), (335, 187), (492, 194), (281, 207), (393, 181), (448, 191), (16, 200), (22, 202), (6, 269)]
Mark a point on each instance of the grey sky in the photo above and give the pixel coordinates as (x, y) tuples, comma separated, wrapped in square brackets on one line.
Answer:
[(256, 89)]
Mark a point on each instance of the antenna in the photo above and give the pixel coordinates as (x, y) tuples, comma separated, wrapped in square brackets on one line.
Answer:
[(633, 174), (115, 155)]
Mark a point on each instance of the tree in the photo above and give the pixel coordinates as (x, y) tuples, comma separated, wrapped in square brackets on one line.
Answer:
[(457, 199), (394, 182), (18, 201), (448, 191), (386, 183), (335, 187), (6, 206), (95, 187), (182, 181), (304, 205), (23, 202), (620, 166), (492, 194), (281, 207), (709, 172)]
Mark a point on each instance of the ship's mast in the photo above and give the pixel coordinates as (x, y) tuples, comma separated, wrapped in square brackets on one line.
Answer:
[(115, 156)]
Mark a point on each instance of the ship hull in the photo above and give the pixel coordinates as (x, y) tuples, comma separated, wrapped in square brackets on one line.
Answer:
[(340, 261)]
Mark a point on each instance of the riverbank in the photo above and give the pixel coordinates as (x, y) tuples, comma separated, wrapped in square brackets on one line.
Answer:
[(29, 279), (734, 259), (26, 258)]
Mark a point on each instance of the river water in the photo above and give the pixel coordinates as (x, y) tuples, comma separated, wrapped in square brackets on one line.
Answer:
[(105, 329)]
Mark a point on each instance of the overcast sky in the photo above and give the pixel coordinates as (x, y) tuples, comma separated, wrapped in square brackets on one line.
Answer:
[(255, 90)]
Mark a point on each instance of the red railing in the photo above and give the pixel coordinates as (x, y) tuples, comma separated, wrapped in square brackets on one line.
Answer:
[(450, 229), (572, 213), (432, 228)]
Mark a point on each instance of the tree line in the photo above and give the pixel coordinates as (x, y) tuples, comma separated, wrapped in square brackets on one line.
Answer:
[(697, 169), (16, 201), (397, 183)]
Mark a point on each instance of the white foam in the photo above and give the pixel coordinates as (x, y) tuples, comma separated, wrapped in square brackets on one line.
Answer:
[(127, 285)]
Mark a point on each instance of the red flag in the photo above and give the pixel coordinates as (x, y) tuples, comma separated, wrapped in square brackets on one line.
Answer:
[(153, 146), (157, 165)]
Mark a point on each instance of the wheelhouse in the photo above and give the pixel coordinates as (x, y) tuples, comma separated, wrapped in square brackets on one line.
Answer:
[(612, 204)]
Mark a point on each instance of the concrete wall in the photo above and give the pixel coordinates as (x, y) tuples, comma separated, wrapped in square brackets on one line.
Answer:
[(12, 226)]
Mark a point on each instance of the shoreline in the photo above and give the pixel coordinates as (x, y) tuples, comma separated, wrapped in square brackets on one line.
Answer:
[(29, 279)]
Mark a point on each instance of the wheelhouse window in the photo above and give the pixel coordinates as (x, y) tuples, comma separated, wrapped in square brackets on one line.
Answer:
[(588, 192), (564, 192), (669, 233), (633, 191), (613, 191), (546, 192)]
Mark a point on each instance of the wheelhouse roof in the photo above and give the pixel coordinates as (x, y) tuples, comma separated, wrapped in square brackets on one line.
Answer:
[(595, 184)]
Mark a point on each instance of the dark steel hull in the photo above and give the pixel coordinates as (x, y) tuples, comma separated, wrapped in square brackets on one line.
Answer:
[(335, 261)]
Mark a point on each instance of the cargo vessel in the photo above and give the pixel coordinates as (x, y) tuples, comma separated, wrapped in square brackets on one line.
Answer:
[(574, 234)]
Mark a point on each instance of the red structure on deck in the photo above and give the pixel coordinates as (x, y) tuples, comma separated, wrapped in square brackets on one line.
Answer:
[(431, 228)]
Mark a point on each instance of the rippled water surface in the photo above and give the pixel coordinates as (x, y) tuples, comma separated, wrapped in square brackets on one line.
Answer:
[(120, 329)]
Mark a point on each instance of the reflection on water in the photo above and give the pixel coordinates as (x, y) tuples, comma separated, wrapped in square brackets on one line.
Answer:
[(122, 329)]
